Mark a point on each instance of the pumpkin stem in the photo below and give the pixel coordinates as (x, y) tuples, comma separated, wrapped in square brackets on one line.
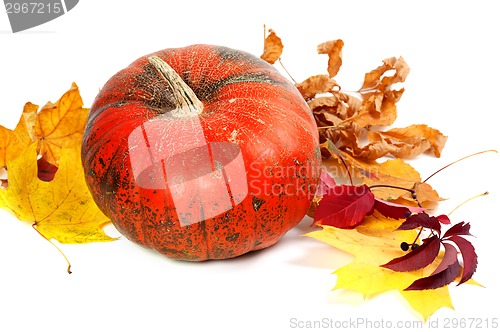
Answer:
[(186, 101)]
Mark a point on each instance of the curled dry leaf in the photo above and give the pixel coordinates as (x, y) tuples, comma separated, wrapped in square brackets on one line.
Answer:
[(317, 84), (334, 50), (423, 137), (377, 80), (273, 47), (377, 109)]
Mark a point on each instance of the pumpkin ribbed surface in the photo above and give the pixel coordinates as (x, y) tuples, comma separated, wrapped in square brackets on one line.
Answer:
[(213, 182)]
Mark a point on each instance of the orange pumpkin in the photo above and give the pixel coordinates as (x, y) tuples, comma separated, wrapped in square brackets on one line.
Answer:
[(202, 152)]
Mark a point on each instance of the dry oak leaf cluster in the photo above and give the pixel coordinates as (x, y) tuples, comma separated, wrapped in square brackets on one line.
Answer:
[(351, 120), (43, 181)]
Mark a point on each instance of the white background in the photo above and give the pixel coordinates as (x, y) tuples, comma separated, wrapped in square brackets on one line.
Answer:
[(452, 49)]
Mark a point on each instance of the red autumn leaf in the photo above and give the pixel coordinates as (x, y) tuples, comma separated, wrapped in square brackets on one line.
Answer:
[(469, 256), (395, 211), (326, 182), (46, 171), (449, 258), (345, 206), (445, 273), (418, 258), (421, 220), (444, 219), (458, 229)]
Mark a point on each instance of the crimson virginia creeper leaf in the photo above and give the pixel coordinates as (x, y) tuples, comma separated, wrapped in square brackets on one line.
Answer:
[(445, 273), (458, 229), (418, 258), (345, 206), (326, 182), (469, 256), (46, 171), (395, 211), (421, 220), (449, 258), (444, 219)]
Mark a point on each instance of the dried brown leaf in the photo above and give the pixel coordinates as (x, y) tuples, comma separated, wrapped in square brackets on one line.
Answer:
[(314, 85), (401, 72), (334, 50), (273, 48), (320, 103), (354, 103), (372, 151), (415, 134), (375, 79), (346, 119), (425, 193), (400, 149)]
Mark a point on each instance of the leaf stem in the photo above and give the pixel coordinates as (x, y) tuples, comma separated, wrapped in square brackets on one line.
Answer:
[(412, 191), (346, 168), (456, 161), (418, 235), (467, 200), (54, 245), (291, 77)]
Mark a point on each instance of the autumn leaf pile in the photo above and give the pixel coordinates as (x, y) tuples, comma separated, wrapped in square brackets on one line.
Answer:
[(381, 217)]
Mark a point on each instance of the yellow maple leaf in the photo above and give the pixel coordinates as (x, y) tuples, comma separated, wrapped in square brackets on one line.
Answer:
[(60, 122), (14, 142), (372, 244), (52, 126), (61, 209)]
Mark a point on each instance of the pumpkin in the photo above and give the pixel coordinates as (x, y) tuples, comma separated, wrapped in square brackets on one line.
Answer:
[(202, 152)]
